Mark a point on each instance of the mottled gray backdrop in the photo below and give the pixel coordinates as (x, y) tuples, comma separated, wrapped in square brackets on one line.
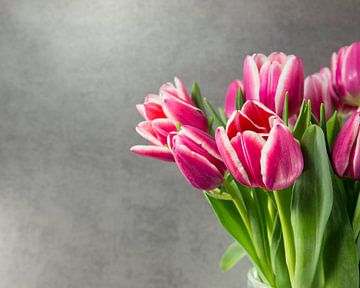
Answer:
[(76, 208)]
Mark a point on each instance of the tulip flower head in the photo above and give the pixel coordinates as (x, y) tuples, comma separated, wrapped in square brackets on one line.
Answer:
[(318, 89), (346, 151), (345, 69), (230, 99), (197, 157), (267, 79), (258, 148), (162, 113)]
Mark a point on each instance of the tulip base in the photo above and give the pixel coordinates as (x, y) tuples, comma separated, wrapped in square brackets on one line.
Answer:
[(254, 279)]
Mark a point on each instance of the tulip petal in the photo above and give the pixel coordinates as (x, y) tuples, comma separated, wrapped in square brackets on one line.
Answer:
[(230, 157), (269, 76), (239, 122), (350, 72), (184, 113), (146, 131), (251, 79), (292, 81), (258, 113), (182, 93), (344, 144), (153, 111), (197, 170), (162, 127), (141, 109), (157, 152), (281, 159), (230, 99), (248, 147), (354, 167), (206, 141)]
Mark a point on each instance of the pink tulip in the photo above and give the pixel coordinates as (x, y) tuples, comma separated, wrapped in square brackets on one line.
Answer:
[(346, 151), (318, 89), (267, 79), (258, 148), (230, 99), (197, 157), (345, 68), (162, 113)]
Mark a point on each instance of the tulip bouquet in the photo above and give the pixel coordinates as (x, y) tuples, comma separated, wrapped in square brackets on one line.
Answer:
[(279, 165)]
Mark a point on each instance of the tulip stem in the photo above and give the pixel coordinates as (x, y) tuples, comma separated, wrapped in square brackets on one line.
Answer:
[(239, 205), (283, 201)]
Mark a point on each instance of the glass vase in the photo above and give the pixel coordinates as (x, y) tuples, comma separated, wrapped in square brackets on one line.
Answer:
[(254, 280)]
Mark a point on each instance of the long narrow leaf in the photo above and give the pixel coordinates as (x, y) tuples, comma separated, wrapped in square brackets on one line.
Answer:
[(311, 206)]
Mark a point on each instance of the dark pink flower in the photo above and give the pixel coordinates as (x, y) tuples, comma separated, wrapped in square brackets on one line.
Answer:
[(346, 151), (197, 157), (258, 148), (267, 79)]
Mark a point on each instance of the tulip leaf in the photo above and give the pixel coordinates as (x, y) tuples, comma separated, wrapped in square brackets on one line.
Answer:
[(233, 254), (356, 218), (230, 219), (222, 115), (333, 126), (213, 113), (285, 115), (340, 257), (311, 206), (303, 121), (278, 256), (196, 96), (239, 99)]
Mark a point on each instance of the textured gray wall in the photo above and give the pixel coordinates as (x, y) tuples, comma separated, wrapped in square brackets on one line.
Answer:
[(76, 208)]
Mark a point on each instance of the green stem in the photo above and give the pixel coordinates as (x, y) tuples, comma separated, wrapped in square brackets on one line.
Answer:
[(239, 205), (282, 200)]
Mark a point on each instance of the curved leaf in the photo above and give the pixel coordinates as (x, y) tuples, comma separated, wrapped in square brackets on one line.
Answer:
[(311, 206), (233, 254)]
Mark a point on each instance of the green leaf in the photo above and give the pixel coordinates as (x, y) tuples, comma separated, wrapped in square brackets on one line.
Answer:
[(233, 254), (222, 115), (196, 96), (340, 258), (213, 113), (356, 218), (303, 121), (239, 99), (311, 206), (278, 256), (333, 127), (285, 115), (229, 217)]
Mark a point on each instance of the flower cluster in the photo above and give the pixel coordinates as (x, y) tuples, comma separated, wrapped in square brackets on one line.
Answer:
[(284, 152)]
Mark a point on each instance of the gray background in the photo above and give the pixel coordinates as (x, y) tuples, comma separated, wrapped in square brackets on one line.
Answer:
[(76, 208)]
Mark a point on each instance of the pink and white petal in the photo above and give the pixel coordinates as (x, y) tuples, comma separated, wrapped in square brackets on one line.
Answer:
[(157, 152), (292, 81), (230, 99), (181, 91), (154, 98), (313, 91), (269, 76), (205, 140), (251, 79), (230, 157), (354, 167), (253, 144), (351, 72), (184, 113), (146, 131), (162, 127), (259, 59), (197, 170), (281, 159), (153, 111), (258, 113), (278, 57), (172, 137), (344, 144), (141, 109)]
